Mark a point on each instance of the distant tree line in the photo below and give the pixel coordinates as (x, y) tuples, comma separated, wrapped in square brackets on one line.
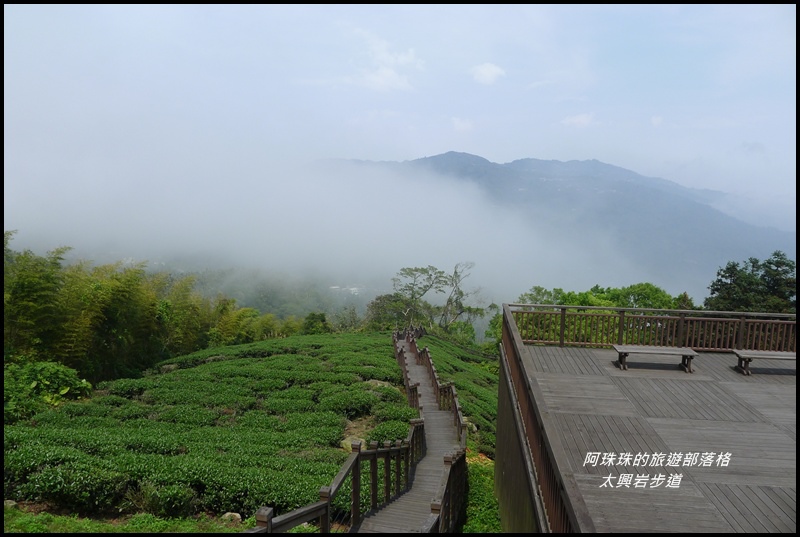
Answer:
[(117, 320), (768, 286)]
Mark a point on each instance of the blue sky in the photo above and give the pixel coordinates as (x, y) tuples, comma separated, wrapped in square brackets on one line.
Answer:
[(111, 104)]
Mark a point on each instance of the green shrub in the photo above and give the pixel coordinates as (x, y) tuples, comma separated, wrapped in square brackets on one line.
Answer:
[(189, 414), (85, 488), (33, 386), (128, 388), (351, 403), (393, 412), (130, 412), (175, 500), (390, 394), (388, 430), (285, 406)]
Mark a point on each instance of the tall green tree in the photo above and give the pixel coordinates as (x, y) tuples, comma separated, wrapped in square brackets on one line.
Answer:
[(456, 308), (756, 286), (31, 287), (347, 320), (413, 283), (539, 295), (387, 312), (316, 323)]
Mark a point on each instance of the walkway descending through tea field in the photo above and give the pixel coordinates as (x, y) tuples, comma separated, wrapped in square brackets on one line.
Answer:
[(409, 512)]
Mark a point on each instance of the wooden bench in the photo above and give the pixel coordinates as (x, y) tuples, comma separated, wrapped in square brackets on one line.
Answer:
[(745, 357), (685, 353)]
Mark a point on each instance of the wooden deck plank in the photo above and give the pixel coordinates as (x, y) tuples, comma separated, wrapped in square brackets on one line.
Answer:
[(595, 395), (782, 502), (783, 520), (717, 409), (572, 440), (666, 510)]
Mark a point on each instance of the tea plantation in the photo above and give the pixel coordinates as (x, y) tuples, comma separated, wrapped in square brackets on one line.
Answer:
[(231, 429)]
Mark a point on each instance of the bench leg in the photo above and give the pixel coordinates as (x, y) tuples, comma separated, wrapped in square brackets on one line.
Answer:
[(623, 362), (686, 364), (743, 366)]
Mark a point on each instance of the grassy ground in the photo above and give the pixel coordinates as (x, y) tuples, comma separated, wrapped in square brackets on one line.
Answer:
[(28, 518)]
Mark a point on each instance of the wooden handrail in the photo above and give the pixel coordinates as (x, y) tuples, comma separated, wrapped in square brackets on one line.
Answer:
[(555, 490), (592, 326), (448, 507), (403, 456), (447, 395)]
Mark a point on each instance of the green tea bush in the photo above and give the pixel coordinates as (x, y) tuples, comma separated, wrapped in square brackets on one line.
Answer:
[(307, 420), (111, 400), (277, 405), (25, 460), (175, 500), (390, 394), (130, 411), (393, 412), (127, 388), (88, 408), (296, 392), (85, 488), (258, 419), (351, 403), (189, 414), (150, 444), (388, 430)]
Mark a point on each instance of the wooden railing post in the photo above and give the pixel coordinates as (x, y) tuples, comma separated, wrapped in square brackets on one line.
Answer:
[(621, 329), (373, 475), (397, 466), (355, 508), (449, 496), (407, 463), (436, 510), (325, 520), (740, 335), (563, 329), (264, 518), (387, 474)]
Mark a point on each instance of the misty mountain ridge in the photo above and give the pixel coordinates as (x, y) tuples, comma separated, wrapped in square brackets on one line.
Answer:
[(668, 234), (302, 234)]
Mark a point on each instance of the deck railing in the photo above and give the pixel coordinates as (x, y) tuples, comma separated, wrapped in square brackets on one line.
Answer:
[(715, 331), (362, 466), (449, 506), (447, 395)]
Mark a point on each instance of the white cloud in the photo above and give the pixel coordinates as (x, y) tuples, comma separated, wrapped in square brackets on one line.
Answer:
[(384, 79), (462, 125), (579, 120), (487, 73), (388, 70), (540, 84)]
